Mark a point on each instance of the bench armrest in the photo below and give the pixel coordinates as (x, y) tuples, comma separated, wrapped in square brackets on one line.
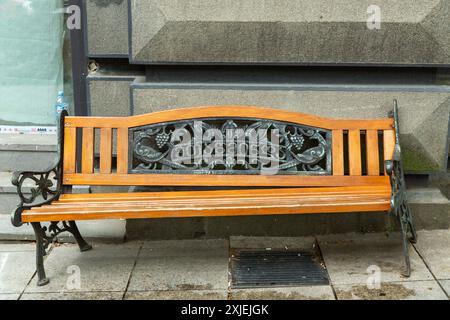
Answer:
[(46, 184), (396, 160), (33, 184)]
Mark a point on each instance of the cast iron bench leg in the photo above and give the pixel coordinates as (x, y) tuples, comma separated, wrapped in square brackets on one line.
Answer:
[(409, 234), (40, 253), (43, 241), (84, 246)]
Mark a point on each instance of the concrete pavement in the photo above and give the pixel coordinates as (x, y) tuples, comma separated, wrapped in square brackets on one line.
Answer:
[(199, 269)]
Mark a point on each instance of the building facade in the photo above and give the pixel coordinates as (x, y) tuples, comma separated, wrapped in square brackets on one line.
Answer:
[(346, 59)]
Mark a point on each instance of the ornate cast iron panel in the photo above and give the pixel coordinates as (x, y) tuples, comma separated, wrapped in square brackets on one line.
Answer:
[(230, 146)]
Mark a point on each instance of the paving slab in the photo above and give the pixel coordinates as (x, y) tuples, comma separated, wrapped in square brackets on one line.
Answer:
[(241, 242), (9, 246), (446, 285), (184, 247), (178, 295), (105, 268), (415, 290), (294, 293), (105, 231), (73, 296), (16, 270), (348, 257), (9, 296), (434, 247), (181, 265)]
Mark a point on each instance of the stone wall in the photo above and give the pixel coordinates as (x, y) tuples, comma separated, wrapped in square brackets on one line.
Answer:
[(320, 57), (289, 31)]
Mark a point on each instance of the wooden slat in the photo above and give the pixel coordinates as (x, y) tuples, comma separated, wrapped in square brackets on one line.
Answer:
[(372, 153), (70, 147), (221, 180), (87, 155), (199, 210), (122, 150), (126, 196), (216, 203), (209, 198), (338, 152), (90, 206), (105, 150), (389, 144), (354, 148), (229, 111), (170, 204)]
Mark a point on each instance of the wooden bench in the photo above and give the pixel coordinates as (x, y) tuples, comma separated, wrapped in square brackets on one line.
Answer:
[(271, 161)]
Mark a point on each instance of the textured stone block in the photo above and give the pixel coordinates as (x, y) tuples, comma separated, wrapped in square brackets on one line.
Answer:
[(430, 208), (109, 96), (289, 31), (424, 115), (107, 27)]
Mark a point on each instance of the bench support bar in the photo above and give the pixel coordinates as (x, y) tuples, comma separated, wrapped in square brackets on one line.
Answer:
[(399, 204), (45, 236)]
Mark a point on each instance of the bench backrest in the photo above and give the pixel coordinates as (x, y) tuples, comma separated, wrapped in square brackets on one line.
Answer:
[(314, 151)]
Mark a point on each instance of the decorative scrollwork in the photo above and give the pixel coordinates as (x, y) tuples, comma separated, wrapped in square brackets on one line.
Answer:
[(45, 236), (45, 184), (230, 146), (399, 203), (50, 233)]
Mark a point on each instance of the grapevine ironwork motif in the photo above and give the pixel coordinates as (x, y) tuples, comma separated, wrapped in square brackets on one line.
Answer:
[(300, 149)]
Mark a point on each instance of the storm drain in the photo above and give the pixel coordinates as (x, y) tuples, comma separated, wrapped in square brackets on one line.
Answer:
[(276, 268)]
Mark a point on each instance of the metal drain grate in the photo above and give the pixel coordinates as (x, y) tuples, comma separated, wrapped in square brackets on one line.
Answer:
[(276, 268)]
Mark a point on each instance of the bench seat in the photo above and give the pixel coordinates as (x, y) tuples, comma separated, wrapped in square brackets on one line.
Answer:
[(212, 203)]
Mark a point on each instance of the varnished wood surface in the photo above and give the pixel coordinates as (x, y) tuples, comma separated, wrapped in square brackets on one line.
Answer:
[(228, 111), (122, 125), (306, 193), (122, 150), (216, 203), (70, 146), (354, 147), (337, 151), (372, 153), (221, 180), (87, 155), (234, 193), (105, 150), (389, 143)]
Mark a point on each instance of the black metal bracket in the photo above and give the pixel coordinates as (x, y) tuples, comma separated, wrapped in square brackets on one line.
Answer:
[(47, 183), (399, 204), (45, 236)]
